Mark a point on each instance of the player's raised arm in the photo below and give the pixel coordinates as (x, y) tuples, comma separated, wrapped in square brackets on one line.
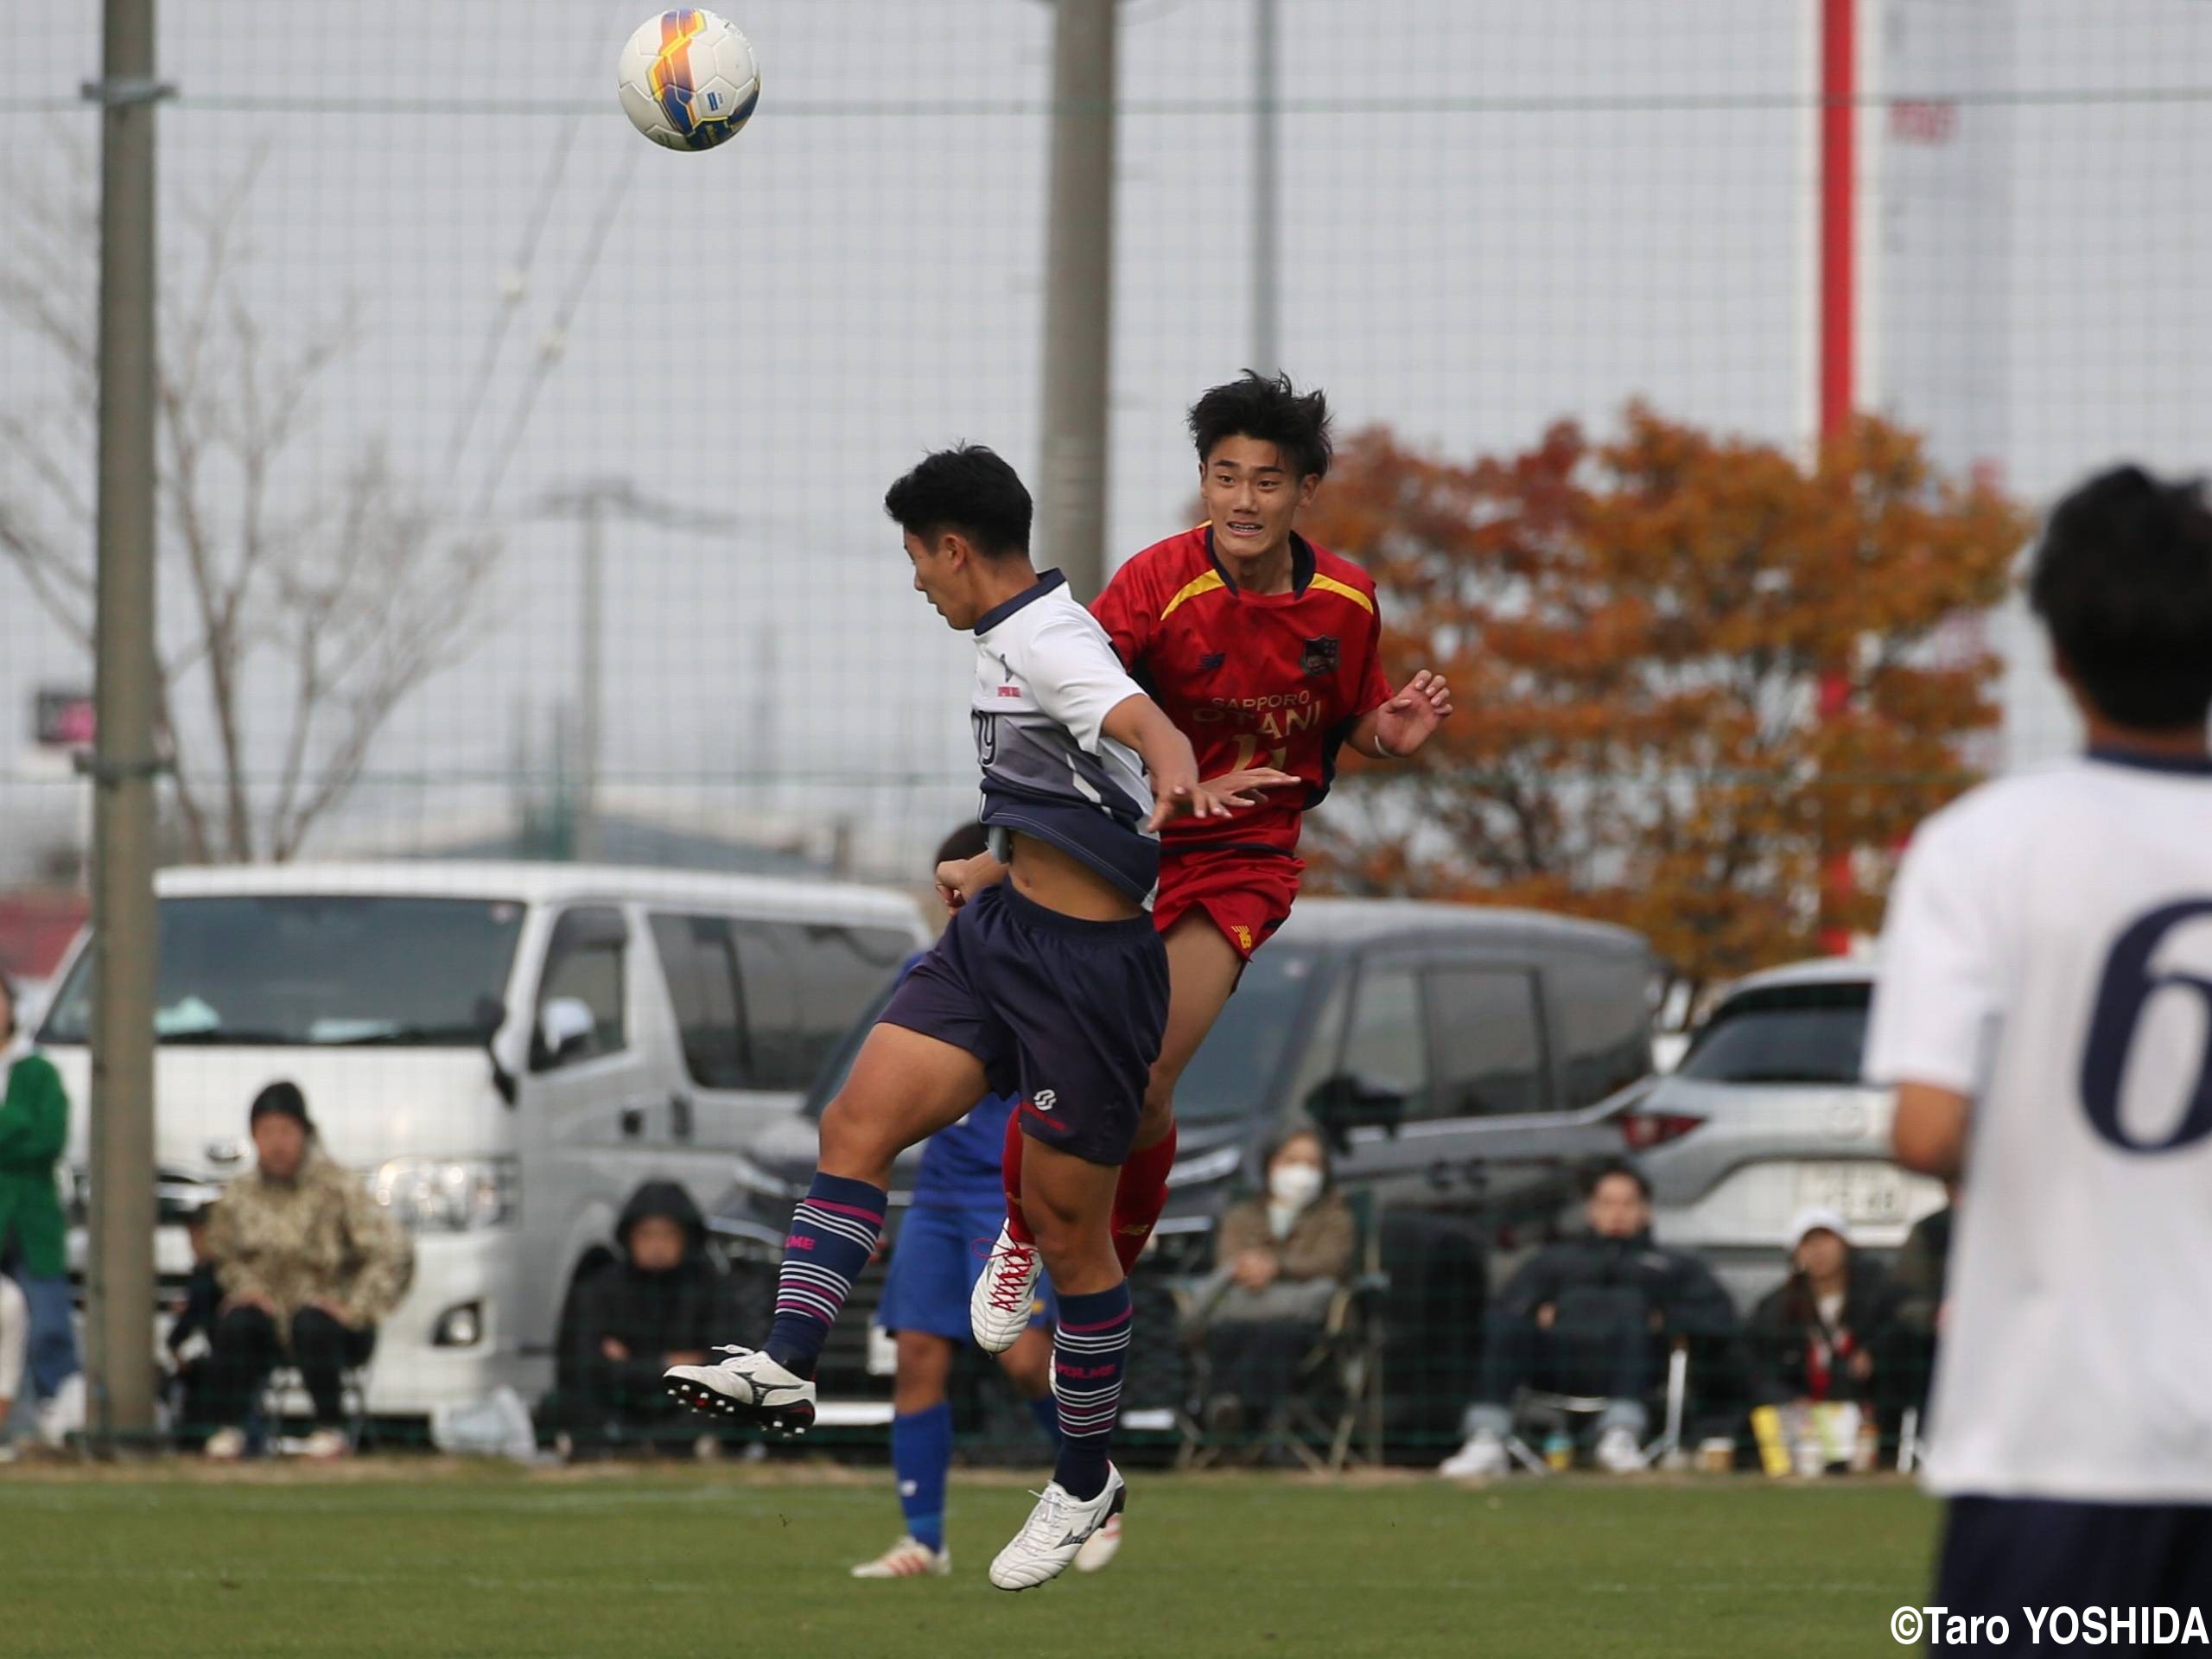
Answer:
[(1168, 758), (1400, 726)]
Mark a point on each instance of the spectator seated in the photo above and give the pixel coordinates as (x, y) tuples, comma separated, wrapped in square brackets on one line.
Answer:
[(660, 1302)]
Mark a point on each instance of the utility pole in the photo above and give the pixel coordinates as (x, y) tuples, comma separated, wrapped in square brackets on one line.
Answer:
[(1080, 294), (1267, 245), (590, 504), (120, 1288), (592, 620)]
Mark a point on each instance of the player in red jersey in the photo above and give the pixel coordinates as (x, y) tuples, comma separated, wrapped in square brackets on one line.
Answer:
[(1265, 650)]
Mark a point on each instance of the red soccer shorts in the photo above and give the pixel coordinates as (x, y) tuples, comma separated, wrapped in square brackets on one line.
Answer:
[(1246, 895)]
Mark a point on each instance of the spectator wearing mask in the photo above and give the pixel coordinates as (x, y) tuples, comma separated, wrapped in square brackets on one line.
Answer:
[(308, 1263), (1593, 1316), (658, 1305), (1818, 1338), (34, 1129), (1281, 1258)]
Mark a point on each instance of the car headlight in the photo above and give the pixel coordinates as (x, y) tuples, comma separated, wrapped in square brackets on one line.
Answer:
[(448, 1195), (763, 1183)]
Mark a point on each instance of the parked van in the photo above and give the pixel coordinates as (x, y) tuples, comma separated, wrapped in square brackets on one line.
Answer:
[(503, 1052)]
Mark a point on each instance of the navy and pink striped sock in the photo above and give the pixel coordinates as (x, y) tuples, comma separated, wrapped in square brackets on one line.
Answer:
[(833, 1233), (1090, 1351)]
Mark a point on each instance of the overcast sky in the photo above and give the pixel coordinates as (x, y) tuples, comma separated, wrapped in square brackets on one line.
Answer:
[(1495, 213)]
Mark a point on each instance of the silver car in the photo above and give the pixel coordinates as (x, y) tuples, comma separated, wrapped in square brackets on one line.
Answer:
[(1766, 1116)]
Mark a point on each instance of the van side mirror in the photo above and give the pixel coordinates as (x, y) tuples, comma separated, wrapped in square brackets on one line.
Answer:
[(1351, 1100), (565, 1027)]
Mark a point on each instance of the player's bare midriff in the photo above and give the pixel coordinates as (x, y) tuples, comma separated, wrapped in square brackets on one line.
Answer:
[(1042, 873)]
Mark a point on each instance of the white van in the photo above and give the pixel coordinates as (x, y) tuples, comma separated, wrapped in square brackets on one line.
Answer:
[(503, 1051)]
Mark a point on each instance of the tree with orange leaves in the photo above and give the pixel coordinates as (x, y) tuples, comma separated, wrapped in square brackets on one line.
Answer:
[(1638, 634)]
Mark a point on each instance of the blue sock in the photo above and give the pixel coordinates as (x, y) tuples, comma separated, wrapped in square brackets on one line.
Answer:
[(921, 1452), (833, 1234), (1046, 1411), (1091, 1350)]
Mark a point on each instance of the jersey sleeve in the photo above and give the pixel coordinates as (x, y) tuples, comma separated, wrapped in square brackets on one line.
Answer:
[(1126, 611), (1936, 1000), (1373, 686), (1074, 675)]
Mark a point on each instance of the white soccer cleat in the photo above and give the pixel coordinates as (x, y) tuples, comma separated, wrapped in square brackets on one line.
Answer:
[(909, 1558), (1617, 1453), (1000, 1305), (1055, 1532), (1483, 1455), (325, 1444), (748, 1385), (1101, 1547)]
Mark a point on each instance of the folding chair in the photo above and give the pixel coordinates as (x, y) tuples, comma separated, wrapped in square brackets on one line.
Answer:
[(284, 1396), (1563, 1408), (1336, 1394)]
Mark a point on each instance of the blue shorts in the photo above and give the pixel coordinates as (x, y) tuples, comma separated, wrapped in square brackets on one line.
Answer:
[(2002, 1554), (935, 1261), (1067, 1015)]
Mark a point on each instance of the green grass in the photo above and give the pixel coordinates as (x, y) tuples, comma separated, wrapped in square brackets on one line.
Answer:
[(401, 1560)]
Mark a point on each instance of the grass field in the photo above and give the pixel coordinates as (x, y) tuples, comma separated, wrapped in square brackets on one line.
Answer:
[(400, 1558)]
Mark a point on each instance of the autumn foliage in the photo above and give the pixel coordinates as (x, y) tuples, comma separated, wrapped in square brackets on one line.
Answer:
[(1692, 672)]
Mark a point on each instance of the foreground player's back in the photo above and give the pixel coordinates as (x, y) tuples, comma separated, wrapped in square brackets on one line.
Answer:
[(2059, 928)]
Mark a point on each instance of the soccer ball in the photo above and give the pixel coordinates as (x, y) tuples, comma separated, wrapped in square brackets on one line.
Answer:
[(688, 79)]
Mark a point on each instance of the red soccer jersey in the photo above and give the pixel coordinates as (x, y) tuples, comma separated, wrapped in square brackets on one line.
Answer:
[(1252, 679)]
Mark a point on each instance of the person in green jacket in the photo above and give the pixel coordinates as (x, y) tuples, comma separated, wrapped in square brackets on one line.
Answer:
[(34, 1127)]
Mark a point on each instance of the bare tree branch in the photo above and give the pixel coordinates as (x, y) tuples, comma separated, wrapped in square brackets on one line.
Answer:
[(352, 597)]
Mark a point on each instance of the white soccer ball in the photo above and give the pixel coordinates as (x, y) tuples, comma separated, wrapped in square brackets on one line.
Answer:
[(688, 79)]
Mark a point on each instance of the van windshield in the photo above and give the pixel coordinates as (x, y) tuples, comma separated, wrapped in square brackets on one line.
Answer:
[(1229, 1076), (298, 969)]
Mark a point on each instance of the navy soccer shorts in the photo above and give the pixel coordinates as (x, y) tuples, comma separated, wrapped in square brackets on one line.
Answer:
[(2004, 1554), (1067, 1015)]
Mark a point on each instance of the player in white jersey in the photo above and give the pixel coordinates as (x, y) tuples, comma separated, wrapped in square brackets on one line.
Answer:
[(2045, 1011)]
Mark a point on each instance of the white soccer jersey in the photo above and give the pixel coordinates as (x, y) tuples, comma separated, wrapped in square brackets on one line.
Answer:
[(2048, 954), (1046, 678)]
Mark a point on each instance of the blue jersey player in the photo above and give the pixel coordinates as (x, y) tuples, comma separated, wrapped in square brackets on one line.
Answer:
[(1049, 986), (941, 1250)]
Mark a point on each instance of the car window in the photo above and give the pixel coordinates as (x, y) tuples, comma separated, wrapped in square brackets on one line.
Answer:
[(1603, 1007), (585, 963), (1490, 1043), (699, 958), (803, 985), (1387, 1044), (1784, 1034)]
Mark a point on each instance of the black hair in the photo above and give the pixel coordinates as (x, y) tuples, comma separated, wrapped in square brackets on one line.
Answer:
[(1272, 410), (14, 1003), (969, 841), (2123, 580), (969, 489), (1605, 1171)]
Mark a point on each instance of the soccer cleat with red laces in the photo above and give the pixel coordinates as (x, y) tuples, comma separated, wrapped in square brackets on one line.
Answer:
[(1000, 1305)]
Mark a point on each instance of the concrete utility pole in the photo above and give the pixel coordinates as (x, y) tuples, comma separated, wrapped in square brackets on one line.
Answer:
[(120, 1396), (1079, 294), (1267, 237), (590, 504)]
